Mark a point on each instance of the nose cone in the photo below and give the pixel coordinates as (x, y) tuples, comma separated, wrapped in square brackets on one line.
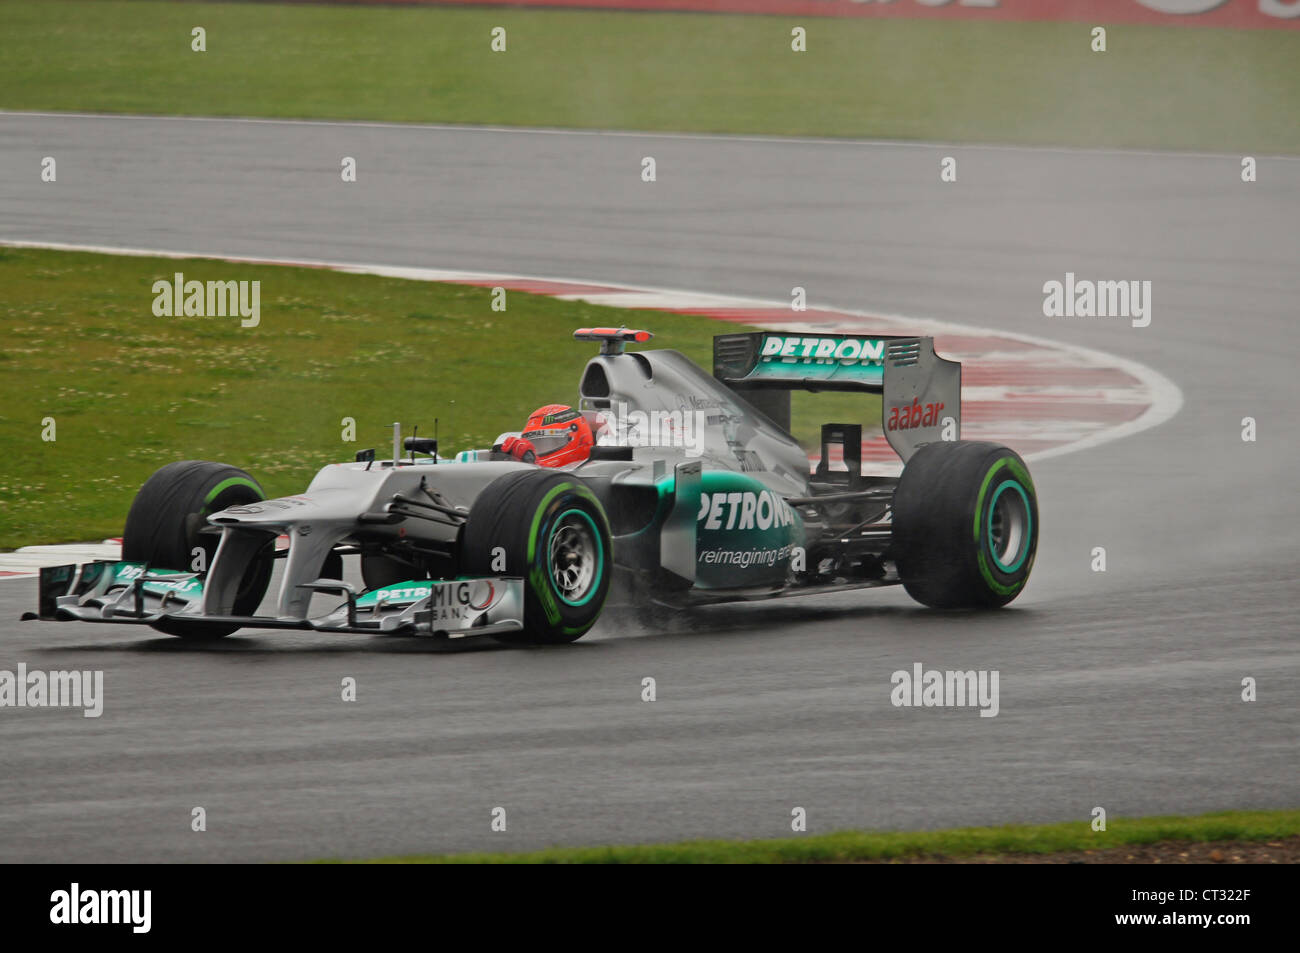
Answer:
[(323, 506), (250, 514)]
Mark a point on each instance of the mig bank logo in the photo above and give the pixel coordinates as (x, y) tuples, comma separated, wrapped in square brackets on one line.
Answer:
[(455, 597)]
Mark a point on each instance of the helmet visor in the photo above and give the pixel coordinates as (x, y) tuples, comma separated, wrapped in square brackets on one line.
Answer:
[(547, 442)]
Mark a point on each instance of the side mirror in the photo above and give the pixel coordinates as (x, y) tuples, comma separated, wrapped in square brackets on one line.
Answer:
[(421, 444)]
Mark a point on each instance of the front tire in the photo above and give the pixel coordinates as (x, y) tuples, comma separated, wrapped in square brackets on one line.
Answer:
[(553, 532), (163, 530), (965, 525)]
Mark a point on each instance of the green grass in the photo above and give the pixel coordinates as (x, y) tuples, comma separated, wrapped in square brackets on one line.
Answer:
[(130, 392), (872, 845), (1038, 83)]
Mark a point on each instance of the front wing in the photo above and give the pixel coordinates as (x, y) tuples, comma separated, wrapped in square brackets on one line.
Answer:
[(132, 592)]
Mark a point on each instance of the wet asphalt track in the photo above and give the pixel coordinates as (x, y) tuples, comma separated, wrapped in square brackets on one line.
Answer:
[(1118, 689)]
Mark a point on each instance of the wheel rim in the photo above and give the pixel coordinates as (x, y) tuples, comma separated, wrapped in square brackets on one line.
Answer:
[(1010, 526), (575, 557)]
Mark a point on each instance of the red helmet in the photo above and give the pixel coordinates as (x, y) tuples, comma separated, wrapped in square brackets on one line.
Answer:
[(559, 435)]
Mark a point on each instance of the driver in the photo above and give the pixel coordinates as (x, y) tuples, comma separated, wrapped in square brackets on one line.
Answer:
[(554, 436)]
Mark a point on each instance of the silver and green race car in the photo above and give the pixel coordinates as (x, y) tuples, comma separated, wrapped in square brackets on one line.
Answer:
[(695, 493)]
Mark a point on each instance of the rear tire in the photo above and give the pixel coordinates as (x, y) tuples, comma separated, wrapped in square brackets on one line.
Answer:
[(553, 532), (965, 525), (162, 529)]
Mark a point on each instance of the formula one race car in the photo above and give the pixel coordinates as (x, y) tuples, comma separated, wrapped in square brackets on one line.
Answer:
[(691, 490)]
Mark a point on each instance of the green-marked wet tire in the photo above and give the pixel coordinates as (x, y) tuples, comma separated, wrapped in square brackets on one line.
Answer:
[(162, 529), (554, 533), (965, 525)]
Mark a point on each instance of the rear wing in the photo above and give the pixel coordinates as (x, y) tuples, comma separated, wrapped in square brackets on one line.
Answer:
[(921, 391)]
